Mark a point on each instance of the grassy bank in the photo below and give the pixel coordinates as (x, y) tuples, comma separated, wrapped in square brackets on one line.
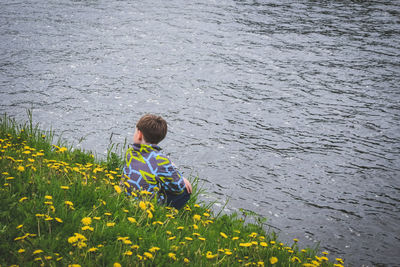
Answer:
[(64, 207)]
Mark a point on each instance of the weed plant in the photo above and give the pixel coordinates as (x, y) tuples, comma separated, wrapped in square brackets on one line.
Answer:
[(63, 207)]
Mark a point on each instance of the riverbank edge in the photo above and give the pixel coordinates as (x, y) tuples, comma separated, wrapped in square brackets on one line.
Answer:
[(88, 221)]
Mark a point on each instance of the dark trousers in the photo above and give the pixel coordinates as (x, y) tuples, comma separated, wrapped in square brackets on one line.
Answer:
[(177, 201)]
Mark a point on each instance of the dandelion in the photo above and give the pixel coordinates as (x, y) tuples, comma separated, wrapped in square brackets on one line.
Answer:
[(148, 255), (20, 168), (110, 224), (340, 260), (48, 197), (295, 259), (245, 244), (21, 250), (263, 244), (58, 220), (93, 249), (38, 251), (64, 187), (154, 249), (86, 221), (19, 226), (186, 260), (48, 257), (180, 228), (223, 235), (235, 238), (87, 227), (9, 178), (117, 189), (172, 256), (260, 263), (107, 213), (62, 149), (172, 238), (295, 240), (273, 260), (202, 239), (142, 205), (128, 253), (196, 217), (149, 214), (210, 256), (188, 238), (206, 214), (135, 247)]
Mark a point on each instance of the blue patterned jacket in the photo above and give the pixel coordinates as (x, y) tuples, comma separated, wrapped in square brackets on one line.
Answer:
[(146, 168)]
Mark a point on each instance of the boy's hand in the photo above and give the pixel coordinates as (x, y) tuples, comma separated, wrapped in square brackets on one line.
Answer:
[(188, 185)]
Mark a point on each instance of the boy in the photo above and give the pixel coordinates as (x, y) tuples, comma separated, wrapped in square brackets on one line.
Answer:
[(146, 168)]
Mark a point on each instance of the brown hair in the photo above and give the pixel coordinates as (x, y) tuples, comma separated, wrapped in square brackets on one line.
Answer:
[(153, 127)]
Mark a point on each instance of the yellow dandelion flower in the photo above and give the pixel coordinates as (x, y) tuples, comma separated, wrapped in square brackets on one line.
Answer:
[(295, 240), (64, 187), (38, 251), (135, 247), (39, 215), (142, 205), (186, 260), (48, 197), (202, 239), (128, 253), (272, 242), (180, 227), (58, 220), (340, 260), (196, 217), (110, 224), (86, 221), (127, 242), (48, 203), (21, 168), (172, 256), (223, 235), (172, 238), (116, 264), (87, 227), (10, 178), (245, 244), (48, 257), (19, 226), (117, 189), (263, 244), (273, 260), (23, 199), (260, 263), (93, 249), (69, 203), (295, 259), (149, 214), (188, 238), (148, 255), (195, 227), (62, 149), (210, 256), (107, 213), (235, 238), (206, 214), (21, 250), (132, 220), (154, 249)]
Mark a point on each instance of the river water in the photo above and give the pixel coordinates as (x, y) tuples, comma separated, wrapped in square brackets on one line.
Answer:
[(288, 109)]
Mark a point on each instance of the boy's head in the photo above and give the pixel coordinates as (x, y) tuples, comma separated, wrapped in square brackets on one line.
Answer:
[(153, 129)]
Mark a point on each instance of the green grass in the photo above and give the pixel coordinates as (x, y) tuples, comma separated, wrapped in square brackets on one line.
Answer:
[(62, 206)]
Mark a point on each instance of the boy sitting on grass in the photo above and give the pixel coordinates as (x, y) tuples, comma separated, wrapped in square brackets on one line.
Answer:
[(146, 168)]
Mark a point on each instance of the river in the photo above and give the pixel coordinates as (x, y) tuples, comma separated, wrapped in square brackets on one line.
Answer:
[(290, 109)]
